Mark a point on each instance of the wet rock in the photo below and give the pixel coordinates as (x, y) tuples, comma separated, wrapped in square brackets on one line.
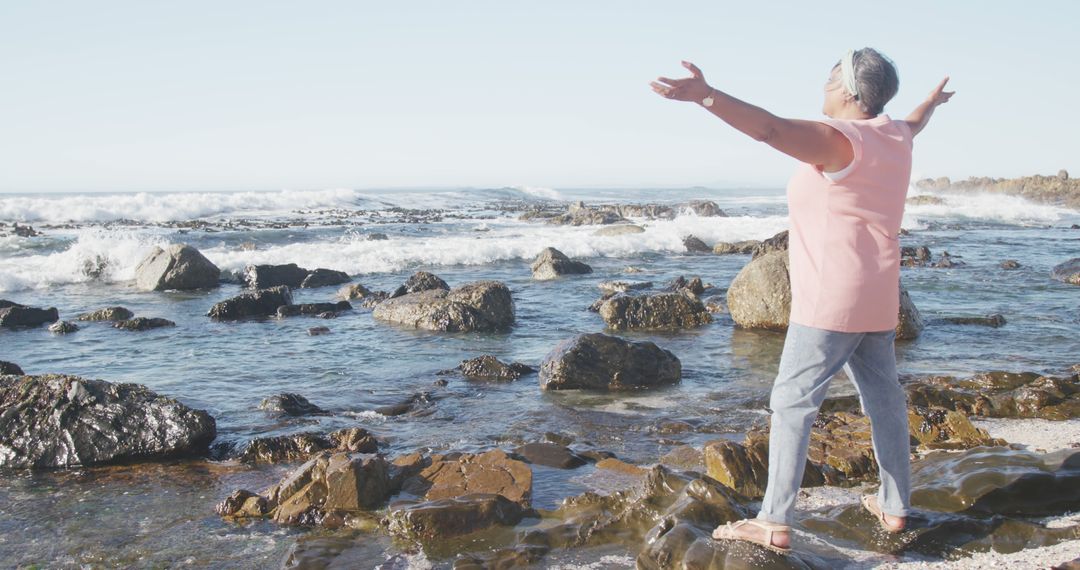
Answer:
[(1067, 272), (241, 504), (290, 404), (443, 476), (996, 320), (778, 242), (23, 230), (580, 215), (686, 457), (599, 361), (54, 421), (63, 327), (4, 303), (760, 295), (612, 287), (107, 314), (947, 261), (620, 466), (178, 266), (302, 446), (489, 368), (10, 368), (354, 439), (261, 303), (595, 306), (368, 298), (659, 311), (715, 305), (143, 324), (324, 278), (453, 516), (910, 323), (328, 486), (1001, 395), (739, 247), (377, 237), (550, 454), (911, 256), (695, 245), (313, 309), (694, 286), (619, 230), (705, 208), (266, 276), (650, 211), (552, 263), (478, 306), (420, 281), (410, 404), (1010, 264), (19, 316), (317, 331), (1037, 188), (926, 200)]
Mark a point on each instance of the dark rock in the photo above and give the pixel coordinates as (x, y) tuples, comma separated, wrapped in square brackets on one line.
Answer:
[(267, 276), (947, 261), (478, 306), (1010, 264), (24, 230), (410, 404), (716, 305), (62, 421), (316, 331), (612, 287), (261, 303), (550, 454), (695, 245), (492, 369), (910, 322), (420, 281), (552, 263), (291, 404), (312, 308), (178, 266), (1067, 272), (63, 327), (915, 256), (1001, 395), (377, 237), (693, 286), (452, 517), (659, 311), (10, 368), (739, 247), (760, 295), (323, 278), (599, 361), (242, 503), (995, 320), (143, 324), (18, 316), (107, 314), (778, 242), (4, 303)]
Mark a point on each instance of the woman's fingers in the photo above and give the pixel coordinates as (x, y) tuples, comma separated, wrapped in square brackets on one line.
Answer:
[(669, 81), (661, 89), (693, 69)]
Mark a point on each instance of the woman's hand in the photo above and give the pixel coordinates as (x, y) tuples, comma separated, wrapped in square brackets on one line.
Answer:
[(939, 95), (692, 88)]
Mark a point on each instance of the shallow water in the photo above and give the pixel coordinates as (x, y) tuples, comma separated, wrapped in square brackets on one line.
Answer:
[(162, 514)]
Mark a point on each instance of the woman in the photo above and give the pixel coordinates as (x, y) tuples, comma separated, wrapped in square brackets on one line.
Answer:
[(845, 203)]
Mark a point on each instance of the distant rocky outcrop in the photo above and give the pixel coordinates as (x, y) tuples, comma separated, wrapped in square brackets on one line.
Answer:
[(600, 361), (177, 266), (1059, 190), (478, 306)]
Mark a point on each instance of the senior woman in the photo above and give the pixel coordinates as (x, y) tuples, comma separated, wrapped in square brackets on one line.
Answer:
[(845, 203)]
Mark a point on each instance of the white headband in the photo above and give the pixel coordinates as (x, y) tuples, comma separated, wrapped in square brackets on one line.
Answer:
[(847, 72)]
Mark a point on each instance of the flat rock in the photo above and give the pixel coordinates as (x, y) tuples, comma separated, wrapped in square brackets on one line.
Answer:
[(444, 476), (489, 368), (478, 306), (550, 454), (738, 247), (107, 314), (143, 324), (612, 287), (18, 316), (599, 361), (313, 309), (452, 516), (619, 230)]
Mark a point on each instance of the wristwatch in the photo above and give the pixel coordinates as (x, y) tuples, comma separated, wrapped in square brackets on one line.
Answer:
[(708, 101)]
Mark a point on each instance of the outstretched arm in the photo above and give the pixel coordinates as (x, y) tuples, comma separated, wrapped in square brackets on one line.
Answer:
[(921, 115), (808, 141)]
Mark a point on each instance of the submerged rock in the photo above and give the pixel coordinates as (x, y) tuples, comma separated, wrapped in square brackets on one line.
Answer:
[(995, 320), (420, 281), (599, 361), (16, 316), (290, 404), (478, 306), (612, 287), (143, 324), (453, 516), (54, 421), (1010, 264), (178, 266), (552, 263), (659, 311), (313, 309), (1067, 272), (489, 368), (107, 314), (10, 368), (261, 303), (63, 327), (550, 454)]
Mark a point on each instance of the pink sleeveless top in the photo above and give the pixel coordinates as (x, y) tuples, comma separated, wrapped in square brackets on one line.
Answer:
[(844, 253)]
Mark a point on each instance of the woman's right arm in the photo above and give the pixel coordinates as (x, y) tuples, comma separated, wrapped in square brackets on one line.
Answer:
[(918, 118)]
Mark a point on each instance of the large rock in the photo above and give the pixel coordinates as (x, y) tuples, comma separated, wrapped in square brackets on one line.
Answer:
[(693, 244), (313, 309), (10, 368), (1067, 272), (19, 316), (261, 303), (738, 247), (599, 361), (443, 476), (552, 263), (178, 266), (910, 324), (659, 311), (328, 487), (62, 421), (760, 295), (1058, 190), (778, 242), (265, 276), (420, 281), (478, 306), (323, 278), (107, 314), (586, 216)]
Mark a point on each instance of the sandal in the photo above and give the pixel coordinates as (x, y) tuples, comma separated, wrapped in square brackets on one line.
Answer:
[(869, 502), (727, 532)]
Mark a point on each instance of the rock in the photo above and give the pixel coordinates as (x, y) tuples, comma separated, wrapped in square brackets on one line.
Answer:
[(4, 303), (659, 311), (18, 316), (316, 331), (377, 237), (107, 314), (715, 305), (478, 306), (10, 368), (452, 517), (328, 486), (739, 247), (552, 263), (1038, 188), (63, 327), (947, 261), (143, 324), (694, 286), (685, 457), (1010, 264), (1001, 395), (410, 404), (695, 245), (650, 211), (301, 446), (619, 230), (313, 309), (914, 256), (54, 421), (1067, 272), (458, 474), (612, 287), (550, 454), (178, 266), (584, 216), (323, 278), (368, 298), (617, 465), (995, 320), (1063, 174), (241, 504), (290, 404), (760, 295), (778, 242), (910, 323), (420, 281), (24, 230), (705, 208), (599, 361), (492, 369), (267, 276), (261, 303), (354, 439), (925, 200)]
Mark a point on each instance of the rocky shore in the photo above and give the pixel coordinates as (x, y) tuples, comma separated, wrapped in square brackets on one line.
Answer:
[(1059, 189)]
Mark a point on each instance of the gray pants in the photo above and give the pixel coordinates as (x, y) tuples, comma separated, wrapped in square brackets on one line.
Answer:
[(810, 358)]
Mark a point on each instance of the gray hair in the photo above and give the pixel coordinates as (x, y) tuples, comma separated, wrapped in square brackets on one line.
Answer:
[(877, 79)]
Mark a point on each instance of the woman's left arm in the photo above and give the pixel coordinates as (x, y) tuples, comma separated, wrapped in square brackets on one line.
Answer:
[(808, 141)]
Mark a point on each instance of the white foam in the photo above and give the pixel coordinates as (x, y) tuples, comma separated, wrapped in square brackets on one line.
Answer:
[(989, 207), (105, 255)]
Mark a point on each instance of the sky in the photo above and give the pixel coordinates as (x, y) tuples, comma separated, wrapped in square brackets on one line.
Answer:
[(266, 95)]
